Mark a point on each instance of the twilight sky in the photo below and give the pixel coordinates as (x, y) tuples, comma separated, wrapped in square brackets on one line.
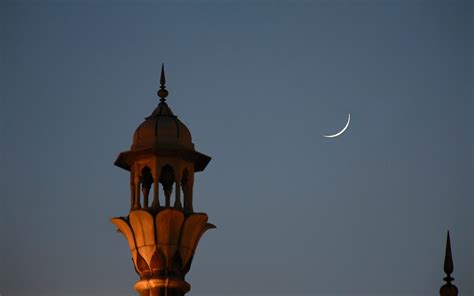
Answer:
[(257, 83)]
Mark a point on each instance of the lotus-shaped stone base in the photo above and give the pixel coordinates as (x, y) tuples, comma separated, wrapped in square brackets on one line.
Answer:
[(162, 245)]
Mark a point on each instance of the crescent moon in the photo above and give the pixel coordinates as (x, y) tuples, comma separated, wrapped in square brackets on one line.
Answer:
[(343, 130)]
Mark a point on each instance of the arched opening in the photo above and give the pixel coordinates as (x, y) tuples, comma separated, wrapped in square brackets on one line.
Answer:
[(187, 186), (167, 179), (146, 180)]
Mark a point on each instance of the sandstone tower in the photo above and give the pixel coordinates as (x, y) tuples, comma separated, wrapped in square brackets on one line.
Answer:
[(162, 234)]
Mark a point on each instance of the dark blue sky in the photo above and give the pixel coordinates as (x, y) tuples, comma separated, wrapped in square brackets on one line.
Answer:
[(257, 84)]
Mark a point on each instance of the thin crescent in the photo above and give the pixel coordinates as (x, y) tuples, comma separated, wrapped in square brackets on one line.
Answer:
[(343, 130)]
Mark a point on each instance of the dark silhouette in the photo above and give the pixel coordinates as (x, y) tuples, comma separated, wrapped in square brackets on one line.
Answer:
[(448, 289)]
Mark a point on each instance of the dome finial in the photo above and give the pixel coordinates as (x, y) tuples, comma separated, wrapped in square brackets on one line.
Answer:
[(448, 260), (162, 92), (448, 289)]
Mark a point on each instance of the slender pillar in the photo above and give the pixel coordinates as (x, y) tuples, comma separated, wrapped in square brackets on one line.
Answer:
[(136, 179), (156, 193), (188, 192), (167, 188), (146, 179), (145, 193), (177, 202)]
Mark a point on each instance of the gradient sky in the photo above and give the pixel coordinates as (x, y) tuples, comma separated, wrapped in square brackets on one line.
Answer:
[(257, 84)]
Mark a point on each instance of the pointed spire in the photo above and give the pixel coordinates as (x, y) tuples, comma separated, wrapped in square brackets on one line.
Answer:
[(448, 260), (162, 76), (448, 289), (162, 92)]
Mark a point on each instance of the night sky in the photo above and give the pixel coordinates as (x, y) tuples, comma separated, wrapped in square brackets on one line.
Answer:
[(257, 83)]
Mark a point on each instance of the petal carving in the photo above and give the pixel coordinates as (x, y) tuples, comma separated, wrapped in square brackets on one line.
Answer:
[(124, 228), (194, 227), (187, 265), (142, 266), (168, 230), (143, 228), (157, 262)]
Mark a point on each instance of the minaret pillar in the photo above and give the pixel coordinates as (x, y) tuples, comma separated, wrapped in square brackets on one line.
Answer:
[(162, 239)]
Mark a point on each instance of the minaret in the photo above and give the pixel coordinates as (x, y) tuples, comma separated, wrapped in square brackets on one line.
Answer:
[(162, 235), (448, 289)]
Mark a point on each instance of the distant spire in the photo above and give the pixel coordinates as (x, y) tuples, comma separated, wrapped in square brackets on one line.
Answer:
[(448, 289), (162, 92), (448, 260), (162, 77)]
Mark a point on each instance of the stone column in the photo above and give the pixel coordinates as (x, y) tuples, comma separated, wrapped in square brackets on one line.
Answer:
[(162, 287)]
